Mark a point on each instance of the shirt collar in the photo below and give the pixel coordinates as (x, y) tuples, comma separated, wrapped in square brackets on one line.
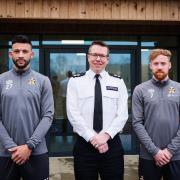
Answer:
[(163, 82), (21, 72), (92, 74)]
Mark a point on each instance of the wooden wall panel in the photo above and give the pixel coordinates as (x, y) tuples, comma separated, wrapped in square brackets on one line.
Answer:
[(173, 9), (46, 9), (11, 9), (20, 8), (125, 9), (29, 8), (157, 9), (54, 9), (107, 9), (98, 9), (149, 9), (63, 9), (37, 6), (73, 9), (165, 13), (3, 12), (82, 9), (92, 9), (133, 9), (116, 9), (178, 10), (141, 9)]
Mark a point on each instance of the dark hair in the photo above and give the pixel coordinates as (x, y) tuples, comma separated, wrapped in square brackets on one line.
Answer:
[(69, 74), (100, 43), (21, 39)]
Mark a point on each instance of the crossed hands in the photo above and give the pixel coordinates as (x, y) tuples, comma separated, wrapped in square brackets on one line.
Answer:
[(99, 141), (162, 157), (20, 154)]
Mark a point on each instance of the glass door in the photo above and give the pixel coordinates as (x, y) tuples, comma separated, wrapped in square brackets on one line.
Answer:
[(60, 65), (122, 62)]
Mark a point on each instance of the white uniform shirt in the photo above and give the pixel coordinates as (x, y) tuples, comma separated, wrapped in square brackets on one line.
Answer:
[(80, 104)]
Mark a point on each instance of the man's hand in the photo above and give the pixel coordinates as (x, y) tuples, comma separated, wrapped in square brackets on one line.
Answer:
[(103, 148), (99, 140), (20, 154), (167, 153), (162, 157)]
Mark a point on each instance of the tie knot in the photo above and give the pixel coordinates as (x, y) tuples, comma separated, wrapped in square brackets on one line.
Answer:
[(97, 76)]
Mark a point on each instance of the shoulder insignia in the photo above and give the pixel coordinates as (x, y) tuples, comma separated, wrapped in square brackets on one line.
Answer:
[(115, 75), (79, 75)]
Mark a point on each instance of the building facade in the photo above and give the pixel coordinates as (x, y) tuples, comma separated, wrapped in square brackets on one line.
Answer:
[(61, 32)]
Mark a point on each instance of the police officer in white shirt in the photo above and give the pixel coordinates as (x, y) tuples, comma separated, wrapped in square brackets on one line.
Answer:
[(97, 109)]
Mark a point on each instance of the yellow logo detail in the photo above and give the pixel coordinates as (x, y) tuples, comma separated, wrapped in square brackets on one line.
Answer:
[(171, 90), (31, 81)]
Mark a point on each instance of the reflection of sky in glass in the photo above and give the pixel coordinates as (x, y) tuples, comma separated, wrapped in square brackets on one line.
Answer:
[(149, 44), (120, 64), (120, 59), (34, 61), (34, 43), (58, 42), (60, 63), (145, 71), (121, 42), (51, 42), (145, 56)]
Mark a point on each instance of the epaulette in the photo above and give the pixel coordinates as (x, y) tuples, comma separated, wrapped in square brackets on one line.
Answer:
[(79, 75), (115, 75)]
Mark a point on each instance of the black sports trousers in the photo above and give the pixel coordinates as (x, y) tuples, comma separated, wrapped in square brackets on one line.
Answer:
[(36, 168), (148, 170), (88, 162)]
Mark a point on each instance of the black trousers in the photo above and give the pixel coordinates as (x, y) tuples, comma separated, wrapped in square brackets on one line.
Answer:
[(148, 170), (88, 162), (36, 168)]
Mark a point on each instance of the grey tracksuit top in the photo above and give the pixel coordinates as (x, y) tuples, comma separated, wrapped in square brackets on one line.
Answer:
[(26, 110), (156, 117)]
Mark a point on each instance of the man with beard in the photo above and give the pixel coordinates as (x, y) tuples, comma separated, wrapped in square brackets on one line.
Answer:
[(26, 114), (156, 121), (97, 110)]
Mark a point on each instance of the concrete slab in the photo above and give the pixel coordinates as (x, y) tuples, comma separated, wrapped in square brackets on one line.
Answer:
[(61, 168)]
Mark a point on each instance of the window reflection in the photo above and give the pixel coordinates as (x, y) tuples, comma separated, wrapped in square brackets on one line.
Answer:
[(145, 71), (120, 64), (62, 67), (159, 41), (3, 60), (63, 85), (87, 39)]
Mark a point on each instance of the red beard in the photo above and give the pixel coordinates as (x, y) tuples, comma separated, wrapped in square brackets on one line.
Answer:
[(159, 75)]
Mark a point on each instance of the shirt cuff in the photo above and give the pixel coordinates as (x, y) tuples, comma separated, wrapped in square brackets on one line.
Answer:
[(88, 135), (111, 134)]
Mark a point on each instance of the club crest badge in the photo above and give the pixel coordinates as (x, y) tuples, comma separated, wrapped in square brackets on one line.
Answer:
[(9, 84), (171, 92), (32, 81)]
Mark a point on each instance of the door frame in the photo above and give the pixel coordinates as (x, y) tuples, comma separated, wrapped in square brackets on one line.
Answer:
[(135, 73)]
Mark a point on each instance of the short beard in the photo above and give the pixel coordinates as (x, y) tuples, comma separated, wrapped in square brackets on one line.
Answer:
[(21, 67), (161, 77)]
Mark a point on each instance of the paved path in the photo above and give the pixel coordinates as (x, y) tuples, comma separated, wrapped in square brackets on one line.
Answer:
[(61, 168)]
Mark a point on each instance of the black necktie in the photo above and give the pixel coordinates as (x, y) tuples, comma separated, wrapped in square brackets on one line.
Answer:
[(97, 124)]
